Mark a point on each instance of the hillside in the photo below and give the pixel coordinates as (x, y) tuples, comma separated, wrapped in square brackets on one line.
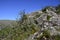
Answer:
[(39, 25), (4, 23)]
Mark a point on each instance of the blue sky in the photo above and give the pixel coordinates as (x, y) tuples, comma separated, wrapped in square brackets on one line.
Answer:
[(9, 9)]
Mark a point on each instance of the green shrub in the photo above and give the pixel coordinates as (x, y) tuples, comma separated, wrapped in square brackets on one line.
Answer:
[(57, 37), (48, 17)]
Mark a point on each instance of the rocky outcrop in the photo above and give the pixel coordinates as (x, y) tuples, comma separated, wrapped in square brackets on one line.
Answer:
[(48, 20)]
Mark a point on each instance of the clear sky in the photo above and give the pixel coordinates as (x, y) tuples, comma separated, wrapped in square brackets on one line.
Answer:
[(9, 9)]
